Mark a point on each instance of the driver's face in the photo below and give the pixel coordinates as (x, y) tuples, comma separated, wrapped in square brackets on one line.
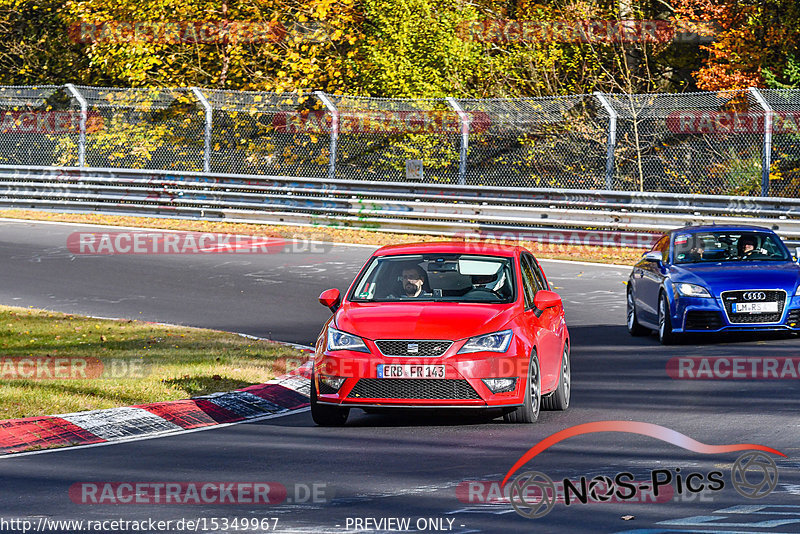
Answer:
[(748, 247), (412, 282)]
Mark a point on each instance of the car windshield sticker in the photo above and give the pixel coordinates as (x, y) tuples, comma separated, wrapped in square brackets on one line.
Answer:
[(681, 239)]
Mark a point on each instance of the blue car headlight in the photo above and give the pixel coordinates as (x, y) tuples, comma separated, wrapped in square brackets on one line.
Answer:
[(494, 342), (797, 292), (692, 290), (338, 340)]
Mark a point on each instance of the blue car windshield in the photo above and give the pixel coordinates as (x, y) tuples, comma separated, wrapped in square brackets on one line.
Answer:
[(436, 277), (700, 247)]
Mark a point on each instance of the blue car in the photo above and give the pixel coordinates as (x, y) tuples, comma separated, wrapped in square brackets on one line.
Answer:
[(714, 278)]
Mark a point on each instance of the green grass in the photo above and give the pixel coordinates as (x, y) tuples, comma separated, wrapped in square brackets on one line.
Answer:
[(173, 362)]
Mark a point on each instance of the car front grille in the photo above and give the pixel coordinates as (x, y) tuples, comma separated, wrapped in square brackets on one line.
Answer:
[(793, 317), (729, 297), (703, 320), (413, 388), (411, 347)]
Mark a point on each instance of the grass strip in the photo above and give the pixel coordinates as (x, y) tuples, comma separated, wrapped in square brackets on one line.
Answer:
[(53, 363)]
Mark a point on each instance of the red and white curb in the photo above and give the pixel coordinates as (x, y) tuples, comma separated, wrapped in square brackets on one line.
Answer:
[(281, 395)]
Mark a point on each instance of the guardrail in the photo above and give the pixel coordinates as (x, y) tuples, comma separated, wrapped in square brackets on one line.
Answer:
[(387, 206), (741, 142)]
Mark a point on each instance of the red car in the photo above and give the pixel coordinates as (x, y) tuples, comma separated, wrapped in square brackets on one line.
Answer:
[(443, 325)]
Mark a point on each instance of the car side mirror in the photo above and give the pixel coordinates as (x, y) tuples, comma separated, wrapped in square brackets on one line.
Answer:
[(546, 299), (330, 298), (653, 256)]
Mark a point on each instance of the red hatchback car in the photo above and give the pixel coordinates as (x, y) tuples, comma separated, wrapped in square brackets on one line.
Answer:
[(443, 325)]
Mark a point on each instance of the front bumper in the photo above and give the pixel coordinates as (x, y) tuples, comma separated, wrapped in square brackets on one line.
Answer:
[(462, 386), (692, 314)]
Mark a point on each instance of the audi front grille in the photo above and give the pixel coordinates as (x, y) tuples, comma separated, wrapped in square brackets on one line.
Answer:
[(754, 295)]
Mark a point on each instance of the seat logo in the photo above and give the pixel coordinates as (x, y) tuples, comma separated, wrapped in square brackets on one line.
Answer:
[(754, 295), (413, 348)]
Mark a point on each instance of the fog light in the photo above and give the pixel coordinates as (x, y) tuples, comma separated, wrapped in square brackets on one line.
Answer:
[(500, 385), (333, 382)]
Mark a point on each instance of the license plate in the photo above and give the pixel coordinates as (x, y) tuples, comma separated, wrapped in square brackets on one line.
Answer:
[(386, 370), (755, 307)]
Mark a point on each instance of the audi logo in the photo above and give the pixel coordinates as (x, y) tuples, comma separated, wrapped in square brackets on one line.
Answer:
[(754, 295)]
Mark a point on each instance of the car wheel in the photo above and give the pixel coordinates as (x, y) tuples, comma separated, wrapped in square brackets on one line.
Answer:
[(634, 328), (529, 411), (323, 414), (665, 334), (559, 399)]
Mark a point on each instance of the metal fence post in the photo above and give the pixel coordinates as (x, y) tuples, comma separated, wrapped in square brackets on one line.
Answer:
[(334, 131), (84, 113), (766, 160), (209, 122), (464, 118), (612, 138)]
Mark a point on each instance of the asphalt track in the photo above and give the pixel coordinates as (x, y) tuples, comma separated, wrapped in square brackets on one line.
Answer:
[(402, 465)]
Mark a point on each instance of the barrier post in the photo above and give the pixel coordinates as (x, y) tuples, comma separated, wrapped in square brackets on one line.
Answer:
[(84, 113), (209, 112), (612, 138), (334, 131), (766, 160), (462, 160)]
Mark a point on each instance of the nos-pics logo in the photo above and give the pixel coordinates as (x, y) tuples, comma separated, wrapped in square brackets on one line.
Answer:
[(533, 494)]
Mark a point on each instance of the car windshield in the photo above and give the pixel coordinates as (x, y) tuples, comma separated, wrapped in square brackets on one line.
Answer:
[(436, 277), (728, 246)]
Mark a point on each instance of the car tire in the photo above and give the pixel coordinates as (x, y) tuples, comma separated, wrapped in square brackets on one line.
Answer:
[(559, 399), (324, 415), (632, 323), (529, 411), (665, 334)]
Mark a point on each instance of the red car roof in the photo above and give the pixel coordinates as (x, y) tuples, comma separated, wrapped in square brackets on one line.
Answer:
[(449, 247)]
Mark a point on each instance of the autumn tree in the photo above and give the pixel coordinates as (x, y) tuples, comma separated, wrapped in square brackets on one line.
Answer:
[(751, 36)]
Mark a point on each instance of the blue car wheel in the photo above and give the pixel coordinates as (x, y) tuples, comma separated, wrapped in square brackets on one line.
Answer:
[(665, 334)]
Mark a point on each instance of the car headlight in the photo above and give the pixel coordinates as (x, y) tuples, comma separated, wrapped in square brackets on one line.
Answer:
[(797, 292), (338, 340), (494, 342), (692, 290)]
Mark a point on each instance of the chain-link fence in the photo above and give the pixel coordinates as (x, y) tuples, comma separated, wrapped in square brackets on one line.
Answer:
[(784, 164), (555, 142), (687, 143), (740, 143), (38, 126)]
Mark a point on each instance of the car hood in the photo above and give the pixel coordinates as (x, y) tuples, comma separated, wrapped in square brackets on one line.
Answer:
[(429, 320), (719, 277)]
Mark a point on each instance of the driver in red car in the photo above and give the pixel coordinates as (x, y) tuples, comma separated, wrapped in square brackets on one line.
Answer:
[(414, 281)]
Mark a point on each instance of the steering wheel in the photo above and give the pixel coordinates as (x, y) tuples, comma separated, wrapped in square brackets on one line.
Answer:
[(486, 289), (755, 252)]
